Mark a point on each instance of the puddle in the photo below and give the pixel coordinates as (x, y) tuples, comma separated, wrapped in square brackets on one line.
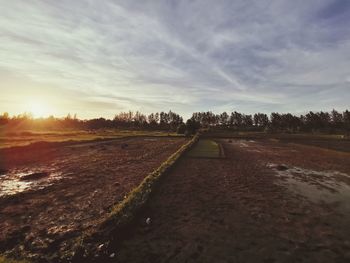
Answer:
[(17, 181), (317, 186)]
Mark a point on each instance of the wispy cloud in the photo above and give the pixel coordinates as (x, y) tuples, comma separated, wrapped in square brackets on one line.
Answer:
[(184, 55)]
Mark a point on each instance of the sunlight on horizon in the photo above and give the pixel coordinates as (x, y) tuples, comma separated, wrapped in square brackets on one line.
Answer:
[(39, 109)]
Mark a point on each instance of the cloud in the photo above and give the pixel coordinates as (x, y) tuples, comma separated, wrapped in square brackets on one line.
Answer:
[(181, 55)]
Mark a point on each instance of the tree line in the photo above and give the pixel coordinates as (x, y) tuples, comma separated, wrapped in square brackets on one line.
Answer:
[(123, 120), (327, 122)]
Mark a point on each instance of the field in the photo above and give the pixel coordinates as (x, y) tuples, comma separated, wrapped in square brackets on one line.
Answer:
[(229, 199), (267, 201), (52, 193), (22, 138)]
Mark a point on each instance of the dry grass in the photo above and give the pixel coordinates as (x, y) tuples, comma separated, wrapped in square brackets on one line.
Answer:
[(12, 139)]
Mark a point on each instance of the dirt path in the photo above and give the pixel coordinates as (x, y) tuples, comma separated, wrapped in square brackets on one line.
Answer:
[(83, 182), (237, 210)]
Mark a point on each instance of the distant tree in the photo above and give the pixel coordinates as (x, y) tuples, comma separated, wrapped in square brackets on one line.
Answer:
[(224, 119), (4, 118), (192, 126), (333, 121), (261, 120), (346, 122), (163, 119), (124, 119), (152, 120), (236, 119), (275, 121), (156, 117), (69, 122), (139, 120), (247, 121), (174, 120), (181, 129), (336, 119)]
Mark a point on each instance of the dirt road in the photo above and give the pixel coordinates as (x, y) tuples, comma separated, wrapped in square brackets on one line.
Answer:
[(252, 206)]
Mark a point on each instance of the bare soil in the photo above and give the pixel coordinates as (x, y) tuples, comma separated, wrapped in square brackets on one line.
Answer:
[(242, 209), (77, 186)]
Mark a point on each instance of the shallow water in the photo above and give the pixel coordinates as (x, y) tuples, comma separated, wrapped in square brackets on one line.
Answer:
[(317, 186), (11, 183)]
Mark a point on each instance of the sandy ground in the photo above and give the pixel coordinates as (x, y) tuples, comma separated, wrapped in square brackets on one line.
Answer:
[(82, 182), (267, 201)]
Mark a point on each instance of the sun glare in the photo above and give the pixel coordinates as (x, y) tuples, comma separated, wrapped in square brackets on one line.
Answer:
[(38, 109)]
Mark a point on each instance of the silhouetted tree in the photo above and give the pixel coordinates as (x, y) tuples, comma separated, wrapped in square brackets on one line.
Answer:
[(236, 119), (224, 119), (261, 120), (192, 126), (181, 129), (171, 121), (4, 118), (336, 119), (346, 121)]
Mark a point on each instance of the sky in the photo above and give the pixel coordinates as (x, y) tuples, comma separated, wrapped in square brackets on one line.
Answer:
[(98, 58)]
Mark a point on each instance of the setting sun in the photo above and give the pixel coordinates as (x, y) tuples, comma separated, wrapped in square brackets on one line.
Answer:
[(38, 109)]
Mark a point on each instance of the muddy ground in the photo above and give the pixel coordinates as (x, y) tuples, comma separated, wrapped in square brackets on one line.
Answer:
[(267, 201), (51, 193)]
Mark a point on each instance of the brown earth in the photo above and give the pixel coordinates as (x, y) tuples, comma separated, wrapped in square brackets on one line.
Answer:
[(84, 180), (241, 209)]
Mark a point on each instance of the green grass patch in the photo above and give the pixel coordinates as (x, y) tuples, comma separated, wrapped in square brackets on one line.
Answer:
[(205, 149)]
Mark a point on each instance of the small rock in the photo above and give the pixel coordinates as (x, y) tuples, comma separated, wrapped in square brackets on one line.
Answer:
[(148, 221), (112, 255)]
